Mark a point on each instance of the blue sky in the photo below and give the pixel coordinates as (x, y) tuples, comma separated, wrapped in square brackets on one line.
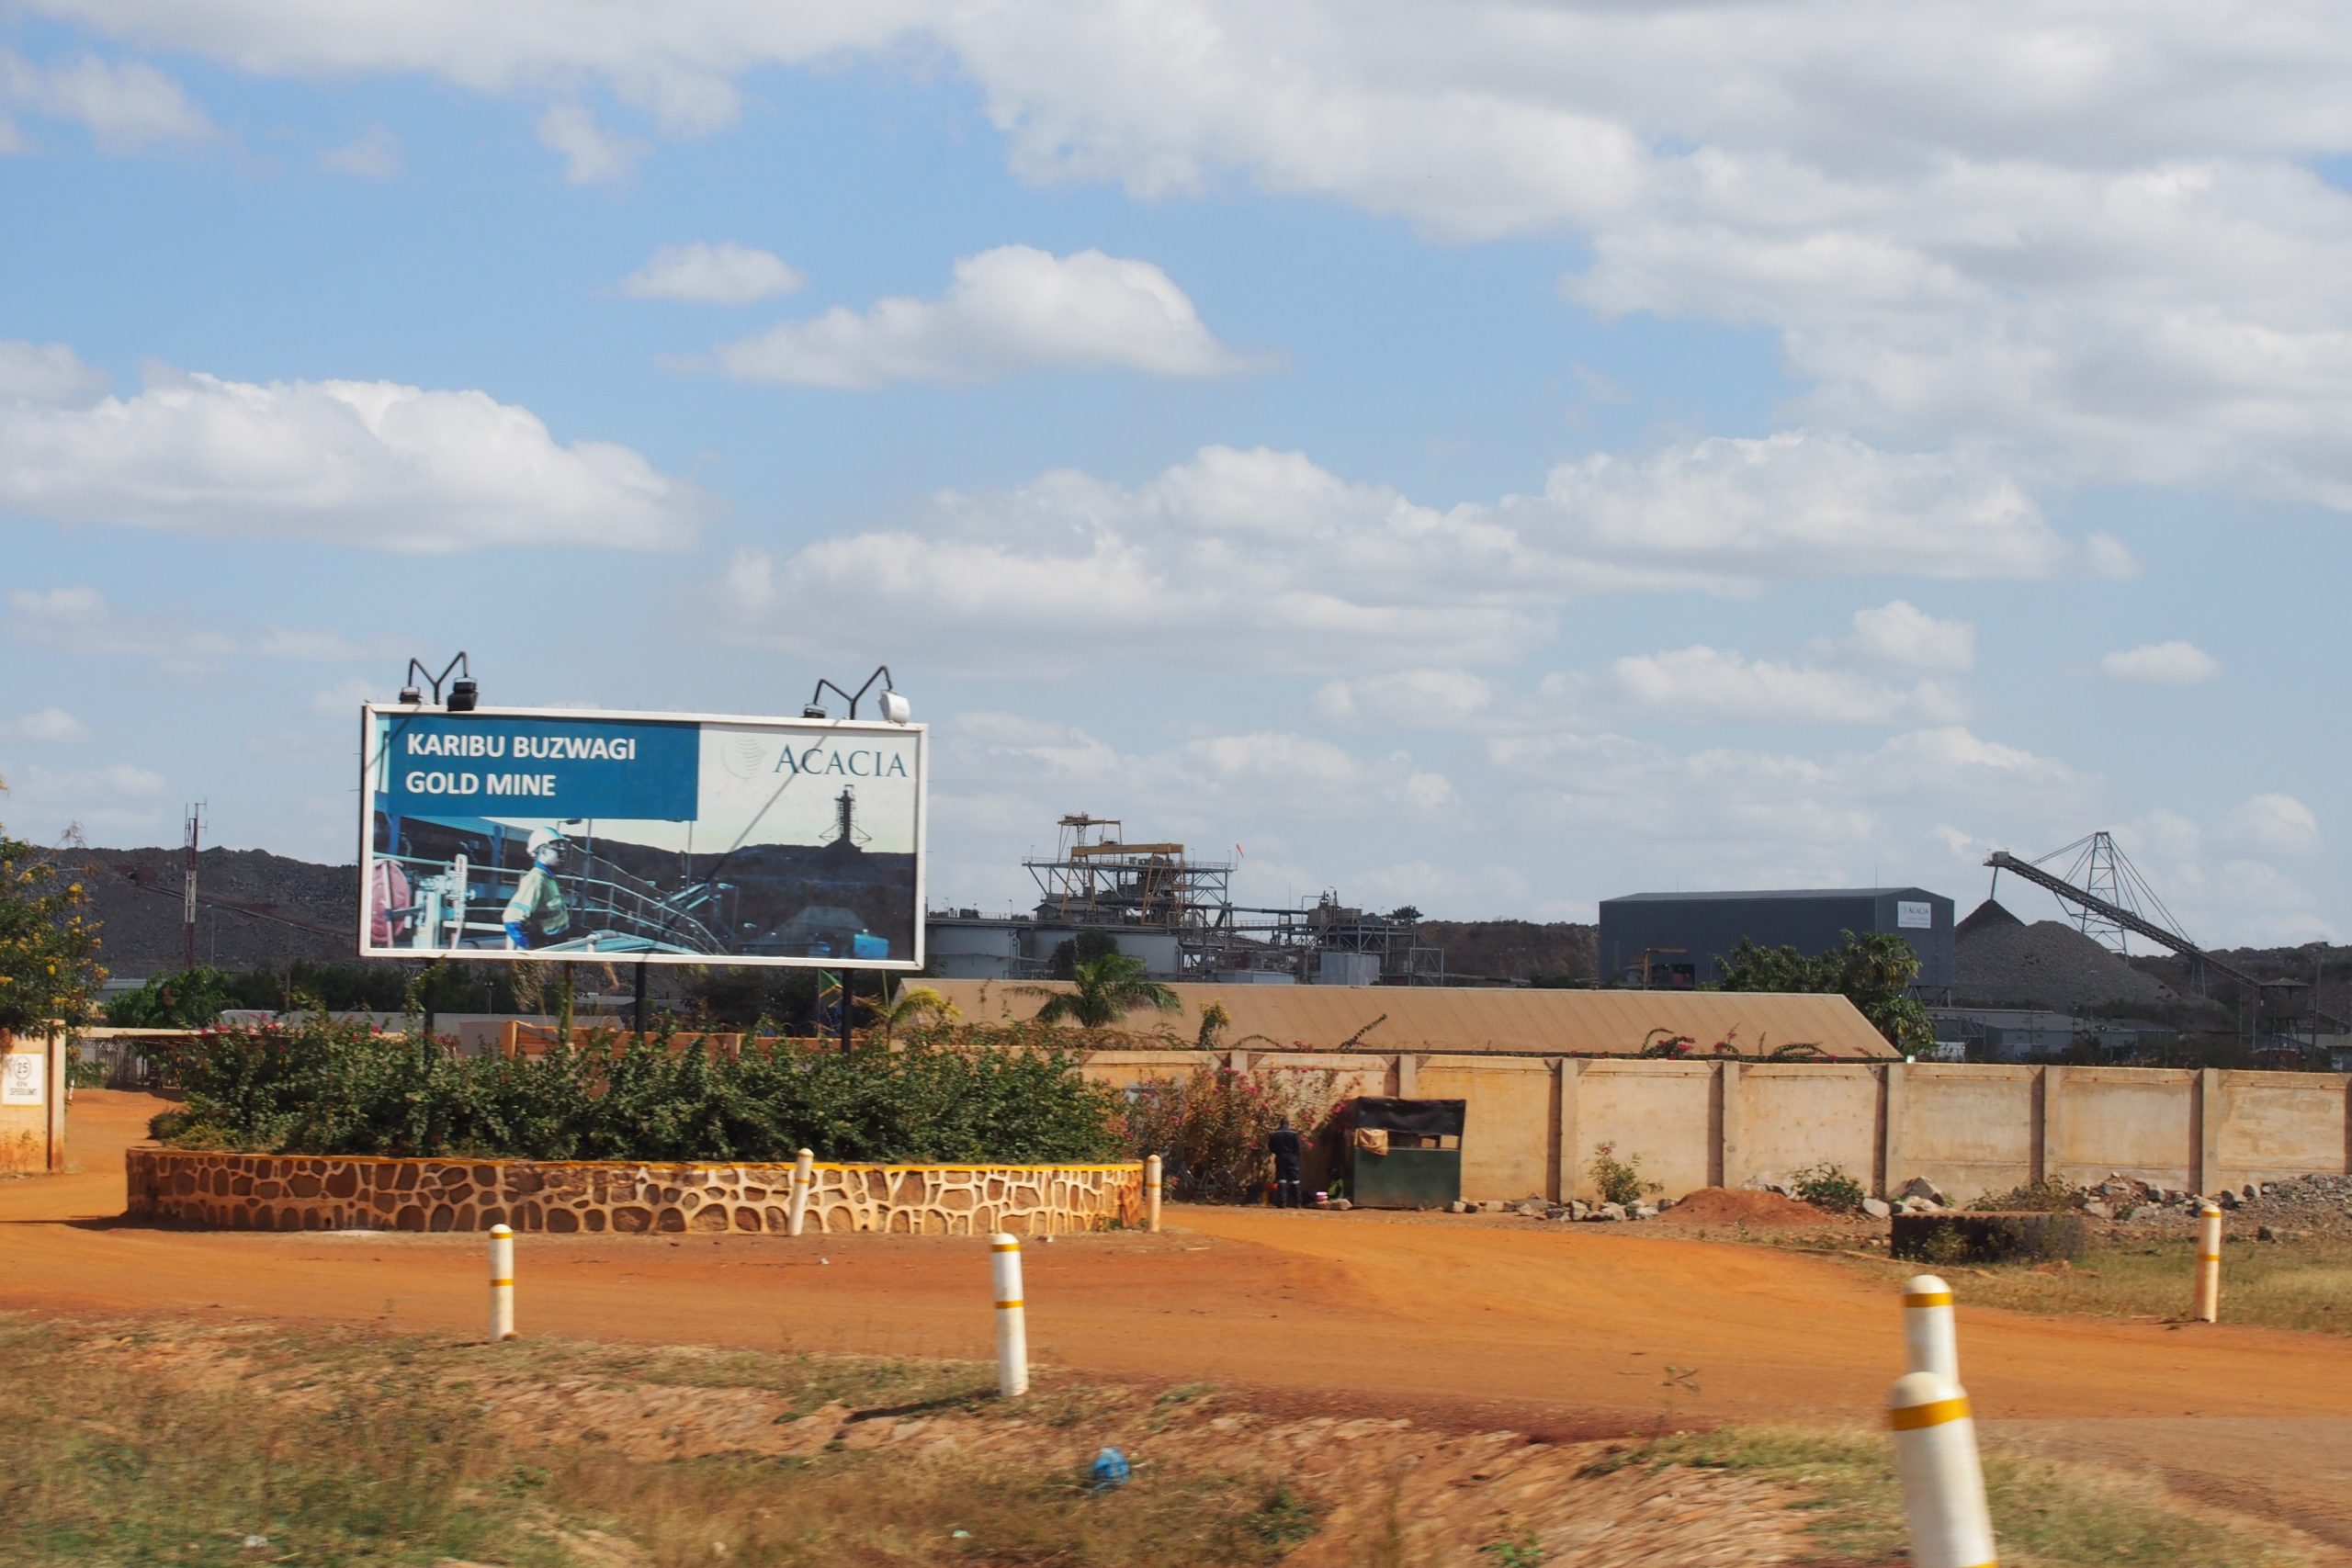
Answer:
[(1491, 457)]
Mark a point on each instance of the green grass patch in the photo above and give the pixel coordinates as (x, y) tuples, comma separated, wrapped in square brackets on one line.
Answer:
[(2044, 1515)]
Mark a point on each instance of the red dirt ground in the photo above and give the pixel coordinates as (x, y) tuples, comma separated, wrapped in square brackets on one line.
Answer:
[(1558, 1327)]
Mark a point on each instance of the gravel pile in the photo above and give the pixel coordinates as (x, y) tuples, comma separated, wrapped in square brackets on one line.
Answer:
[(135, 895), (2265, 1211), (2003, 962)]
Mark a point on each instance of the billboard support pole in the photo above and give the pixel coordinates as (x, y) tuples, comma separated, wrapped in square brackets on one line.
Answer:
[(640, 998), (845, 1006)]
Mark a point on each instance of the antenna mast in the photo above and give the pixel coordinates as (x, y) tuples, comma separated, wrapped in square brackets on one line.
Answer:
[(188, 887)]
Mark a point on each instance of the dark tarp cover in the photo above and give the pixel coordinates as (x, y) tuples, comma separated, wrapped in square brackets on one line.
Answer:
[(1423, 1118)]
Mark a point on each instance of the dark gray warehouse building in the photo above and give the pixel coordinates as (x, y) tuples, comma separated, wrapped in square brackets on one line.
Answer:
[(1644, 929)]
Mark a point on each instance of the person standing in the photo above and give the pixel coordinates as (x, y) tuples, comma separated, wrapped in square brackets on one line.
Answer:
[(1284, 1143), (537, 911)]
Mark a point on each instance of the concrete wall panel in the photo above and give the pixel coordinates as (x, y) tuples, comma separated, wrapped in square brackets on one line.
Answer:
[(1792, 1117), (1970, 1130), (2278, 1125), (2137, 1122), (1666, 1114), (1507, 1133)]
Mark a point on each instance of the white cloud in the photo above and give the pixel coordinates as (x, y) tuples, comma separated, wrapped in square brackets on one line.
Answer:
[(369, 464), (43, 805), (342, 700), (2274, 825), (48, 726), (1899, 633), (124, 105), (2162, 664), (1410, 699), (1241, 556), (2099, 238), (80, 603), (49, 374), (592, 155), (1802, 504), (1009, 310), (1706, 684), (375, 154), (723, 273), (84, 620), (1739, 818)]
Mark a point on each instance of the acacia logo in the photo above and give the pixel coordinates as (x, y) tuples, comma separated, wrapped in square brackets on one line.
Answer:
[(745, 756)]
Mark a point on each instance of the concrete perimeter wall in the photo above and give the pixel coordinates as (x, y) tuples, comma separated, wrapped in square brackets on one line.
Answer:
[(292, 1192), (1535, 1122)]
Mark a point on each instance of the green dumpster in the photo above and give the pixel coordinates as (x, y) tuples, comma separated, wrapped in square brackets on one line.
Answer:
[(1401, 1154)]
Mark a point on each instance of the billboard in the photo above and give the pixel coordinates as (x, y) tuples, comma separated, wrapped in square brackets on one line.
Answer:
[(509, 834)]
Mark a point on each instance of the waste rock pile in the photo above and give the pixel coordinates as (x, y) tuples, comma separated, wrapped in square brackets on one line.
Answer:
[(2000, 961)]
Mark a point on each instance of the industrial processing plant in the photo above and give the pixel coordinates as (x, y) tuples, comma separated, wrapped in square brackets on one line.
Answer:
[(1173, 911)]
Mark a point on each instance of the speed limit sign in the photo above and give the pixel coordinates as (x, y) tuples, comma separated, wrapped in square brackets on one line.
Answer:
[(21, 1078)]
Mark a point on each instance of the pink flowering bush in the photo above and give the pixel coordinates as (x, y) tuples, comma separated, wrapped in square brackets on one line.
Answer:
[(1210, 1129)]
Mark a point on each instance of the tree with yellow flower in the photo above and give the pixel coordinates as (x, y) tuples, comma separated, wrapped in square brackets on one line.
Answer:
[(48, 944)]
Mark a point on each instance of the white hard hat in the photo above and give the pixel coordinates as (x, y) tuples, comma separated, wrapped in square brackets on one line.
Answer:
[(542, 837)]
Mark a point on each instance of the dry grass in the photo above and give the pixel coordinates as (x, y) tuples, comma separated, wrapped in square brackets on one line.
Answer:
[(153, 1447), (162, 1444), (2297, 1284), (2044, 1515)]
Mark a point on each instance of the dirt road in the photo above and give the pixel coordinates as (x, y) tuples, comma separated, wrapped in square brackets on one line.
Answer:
[(1541, 1326)]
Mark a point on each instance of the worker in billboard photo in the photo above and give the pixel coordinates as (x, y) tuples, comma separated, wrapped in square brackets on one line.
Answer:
[(538, 912)]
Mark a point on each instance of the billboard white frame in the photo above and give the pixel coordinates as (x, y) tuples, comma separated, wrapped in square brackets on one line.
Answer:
[(781, 726)]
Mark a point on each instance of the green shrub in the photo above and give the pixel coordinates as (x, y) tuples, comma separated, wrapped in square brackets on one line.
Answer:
[(2048, 1196), (1988, 1238), (322, 1087), (1826, 1186), (1620, 1180)]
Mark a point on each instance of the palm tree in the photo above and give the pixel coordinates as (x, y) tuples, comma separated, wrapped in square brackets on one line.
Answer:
[(1104, 990), (912, 1003)]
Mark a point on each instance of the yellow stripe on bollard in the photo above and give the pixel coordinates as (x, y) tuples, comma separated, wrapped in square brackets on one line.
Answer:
[(1930, 1334), (2208, 1263), (1012, 1321), (1910, 1418), (1942, 1479)]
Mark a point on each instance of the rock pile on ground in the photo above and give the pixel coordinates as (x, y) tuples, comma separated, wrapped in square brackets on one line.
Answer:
[(2269, 1211), (2002, 961)]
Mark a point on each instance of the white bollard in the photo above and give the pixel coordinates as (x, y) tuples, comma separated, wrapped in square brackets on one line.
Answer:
[(1151, 1192), (2208, 1263), (1943, 1481), (1930, 1340), (502, 1284), (804, 1175), (1011, 1317)]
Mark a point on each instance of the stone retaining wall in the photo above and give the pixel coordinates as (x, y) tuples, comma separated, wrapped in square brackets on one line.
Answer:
[(232, 1191)]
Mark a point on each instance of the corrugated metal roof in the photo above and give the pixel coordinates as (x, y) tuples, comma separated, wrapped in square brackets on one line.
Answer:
[(1461, 1017), (1735, 896)]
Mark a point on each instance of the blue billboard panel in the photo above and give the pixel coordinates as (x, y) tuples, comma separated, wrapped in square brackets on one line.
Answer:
[(509, 834), (634, 769)]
